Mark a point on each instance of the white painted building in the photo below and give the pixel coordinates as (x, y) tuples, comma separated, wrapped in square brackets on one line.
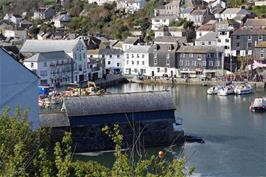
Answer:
[(224, 40), (209, 39), (161, 21), (131, 6), (137, 60), (101, 2), (53, 68), (231, 13), (114, 59), (18, 87), (60, 20), (76, 49)]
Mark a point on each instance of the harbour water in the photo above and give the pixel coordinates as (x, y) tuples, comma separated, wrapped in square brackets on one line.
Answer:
[(235, 139)]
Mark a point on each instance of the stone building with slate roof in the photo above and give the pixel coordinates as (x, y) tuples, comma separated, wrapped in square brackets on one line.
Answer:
[(151, 115), (244, 40), (200, 60)]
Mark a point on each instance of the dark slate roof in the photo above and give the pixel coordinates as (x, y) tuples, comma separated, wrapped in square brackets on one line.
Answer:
[(54, 120), (110, 51), (48, 56), (198, 12), (118, 103), (249, 31), (199, 49), (255, 22)]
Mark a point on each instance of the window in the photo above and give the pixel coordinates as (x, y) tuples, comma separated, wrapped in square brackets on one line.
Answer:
[(143, 62), (143, 56), (237, 37), (118, 56), (199, 57), (210, 43), (181, 63), (117, 64), (203, 63), (203, 43), (187, 63), (195, 63), (110, 56), (132, 55), (168, 55), (184, 55), (102, 56), (155, 61), (219, 40), (137, 62), (43, 73), (210, 63), (127, 56), (84, 56), (165, 70), (261, 55), (132, 62), (109, 62), (226, 40), (135, 70), (191, 55), (155, 55), (44, 64), (167, 61), (260, 38), (31, 65), (137, 55), (249, 37), (158, 70), (249, 45), (217, 63), (127, 62), (237, 52)]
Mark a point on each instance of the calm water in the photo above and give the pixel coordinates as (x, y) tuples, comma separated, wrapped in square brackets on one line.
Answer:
[(235, 138)]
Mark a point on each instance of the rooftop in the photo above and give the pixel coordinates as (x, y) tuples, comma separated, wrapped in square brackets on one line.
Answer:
[(36, 46), (118, 103), (210, 36), (109, 51), (199, 12), (48, 56), (199, 49), (255, 22), (249, 31), (139, 49), (236, 11)]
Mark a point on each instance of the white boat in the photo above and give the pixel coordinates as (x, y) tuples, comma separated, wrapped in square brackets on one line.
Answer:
[(243, 89), (227, 90), (214, 89), (258, 105)]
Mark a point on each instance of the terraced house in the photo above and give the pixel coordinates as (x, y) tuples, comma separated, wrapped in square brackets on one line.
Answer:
[(200, 60), (244, 40), (164, 60)]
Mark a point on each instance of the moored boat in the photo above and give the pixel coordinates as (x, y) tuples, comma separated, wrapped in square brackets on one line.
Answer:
[(258, 105), (214, 89), (227, 90), (243, 89)]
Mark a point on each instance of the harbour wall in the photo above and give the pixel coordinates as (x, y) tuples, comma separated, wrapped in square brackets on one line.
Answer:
[(138, 134), (180, 81)]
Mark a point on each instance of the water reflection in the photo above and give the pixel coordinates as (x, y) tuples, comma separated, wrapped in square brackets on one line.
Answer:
[(235, 138)]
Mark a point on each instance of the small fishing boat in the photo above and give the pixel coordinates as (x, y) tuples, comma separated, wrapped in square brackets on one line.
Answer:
[(227, 90), (214, 90), (258, 105), (243, 89)]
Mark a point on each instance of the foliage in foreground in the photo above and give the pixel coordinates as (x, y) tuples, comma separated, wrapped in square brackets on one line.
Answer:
[(24, 152)]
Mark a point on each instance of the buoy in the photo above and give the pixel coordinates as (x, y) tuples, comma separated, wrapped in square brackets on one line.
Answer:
[(161, 154)]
